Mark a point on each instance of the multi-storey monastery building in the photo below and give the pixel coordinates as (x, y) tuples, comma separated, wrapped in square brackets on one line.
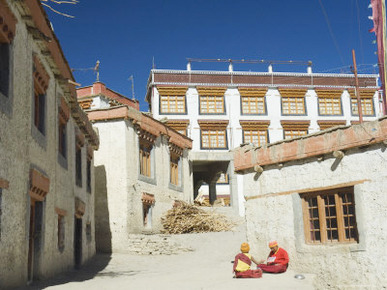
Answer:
[(219, 110), (46, 149)]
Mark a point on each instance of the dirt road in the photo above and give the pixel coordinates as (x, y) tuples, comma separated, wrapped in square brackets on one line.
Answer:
[(207, 267)]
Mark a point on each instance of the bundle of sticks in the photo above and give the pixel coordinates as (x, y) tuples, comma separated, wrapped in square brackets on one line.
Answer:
[(185, 218)]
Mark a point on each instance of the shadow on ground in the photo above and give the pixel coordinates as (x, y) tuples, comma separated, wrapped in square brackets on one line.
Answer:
[(88, 271)]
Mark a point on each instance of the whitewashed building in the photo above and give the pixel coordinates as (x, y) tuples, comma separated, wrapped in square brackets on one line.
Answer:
[(219, 110), (141, 169), (323, 198), (46, 153)]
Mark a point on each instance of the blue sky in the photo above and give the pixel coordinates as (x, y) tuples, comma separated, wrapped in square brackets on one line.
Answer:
[(126, 35)]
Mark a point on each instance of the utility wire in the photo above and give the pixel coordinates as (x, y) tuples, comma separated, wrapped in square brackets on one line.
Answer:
[(359, 30), (331, 32)]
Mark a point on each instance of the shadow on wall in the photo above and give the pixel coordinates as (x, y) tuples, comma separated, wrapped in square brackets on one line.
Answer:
[(88, 271), (103, 234)]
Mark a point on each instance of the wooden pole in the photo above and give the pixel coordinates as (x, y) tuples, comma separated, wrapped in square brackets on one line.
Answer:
[(357, 87)]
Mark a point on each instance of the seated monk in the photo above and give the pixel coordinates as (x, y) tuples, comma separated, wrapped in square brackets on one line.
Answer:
[(277, 261), (242, 264)]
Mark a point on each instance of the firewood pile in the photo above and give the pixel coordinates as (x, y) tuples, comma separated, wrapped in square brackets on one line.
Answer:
[(185, 218)]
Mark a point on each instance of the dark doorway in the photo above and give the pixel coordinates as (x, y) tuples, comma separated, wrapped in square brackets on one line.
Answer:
[(77, 242), (35, 238)]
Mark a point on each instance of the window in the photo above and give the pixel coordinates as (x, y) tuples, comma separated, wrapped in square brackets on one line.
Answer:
[(4, 68), (88, 232), (293, 102), (145, 153), (294, 129), (329, 124), (211, 100), (255, 132), (88, 168), (223, 179), (213, 134), (41, 80), (7, 33), (329, 102), (63, 118), (329, 216), (179, 125), (174, 162), (172, 100), (253, 101), (148, 200), (61, 232), (80, 141), (366, 101)]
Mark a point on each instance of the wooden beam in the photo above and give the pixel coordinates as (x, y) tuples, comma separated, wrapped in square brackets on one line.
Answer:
[(346, 184)]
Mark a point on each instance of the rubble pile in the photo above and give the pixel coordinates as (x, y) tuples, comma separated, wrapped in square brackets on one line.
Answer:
[(185, 218)]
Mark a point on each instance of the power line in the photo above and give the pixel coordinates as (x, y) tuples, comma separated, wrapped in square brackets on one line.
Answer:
[(359, 30), (331, 32)]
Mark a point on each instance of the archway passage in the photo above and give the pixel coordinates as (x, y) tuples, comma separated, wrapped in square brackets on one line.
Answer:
[(211, 178)]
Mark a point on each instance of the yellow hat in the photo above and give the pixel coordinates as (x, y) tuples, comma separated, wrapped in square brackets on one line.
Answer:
[(245, 248), (273, 244)]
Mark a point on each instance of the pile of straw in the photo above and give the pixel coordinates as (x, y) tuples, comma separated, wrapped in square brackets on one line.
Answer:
[(185, 218)]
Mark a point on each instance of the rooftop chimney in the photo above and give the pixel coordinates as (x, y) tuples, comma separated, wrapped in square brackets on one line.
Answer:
[(309, 69), (230, 67)]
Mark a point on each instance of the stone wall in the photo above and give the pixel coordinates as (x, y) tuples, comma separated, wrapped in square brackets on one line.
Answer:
[(22, 149), (276, 213)]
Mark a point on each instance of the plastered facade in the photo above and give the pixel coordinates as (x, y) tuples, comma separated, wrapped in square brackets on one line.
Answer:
[(24, 151), (120, 186), (274, 209), (232, 115)]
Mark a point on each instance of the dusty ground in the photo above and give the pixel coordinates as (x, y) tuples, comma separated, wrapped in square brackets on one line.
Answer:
[(207, 267)]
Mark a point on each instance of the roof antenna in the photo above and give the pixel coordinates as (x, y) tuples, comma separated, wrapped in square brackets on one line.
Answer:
[(132, 79), (96, 69), (153, 63)]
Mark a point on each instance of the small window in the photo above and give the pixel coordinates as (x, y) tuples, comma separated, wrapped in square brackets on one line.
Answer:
[(293, 129), (211, 104), (179, 125), (256, 137), (88, 177), (367, 107), (62, 139), (293, 101), (145, 158), (366, 101), (4, 69), (172, 100), (41, 80), (174, 170), (223, 179), (39, 111), (88, 232), (78, 166), (293, 106), (80, 141), (63, 117), (172, 104), (253, 101), (214, 139), (148, 201), (329, 216), (253, 105), (61, 232)]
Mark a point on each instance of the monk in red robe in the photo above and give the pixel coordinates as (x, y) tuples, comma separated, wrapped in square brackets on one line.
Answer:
[(277, 261), (242, 264)]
